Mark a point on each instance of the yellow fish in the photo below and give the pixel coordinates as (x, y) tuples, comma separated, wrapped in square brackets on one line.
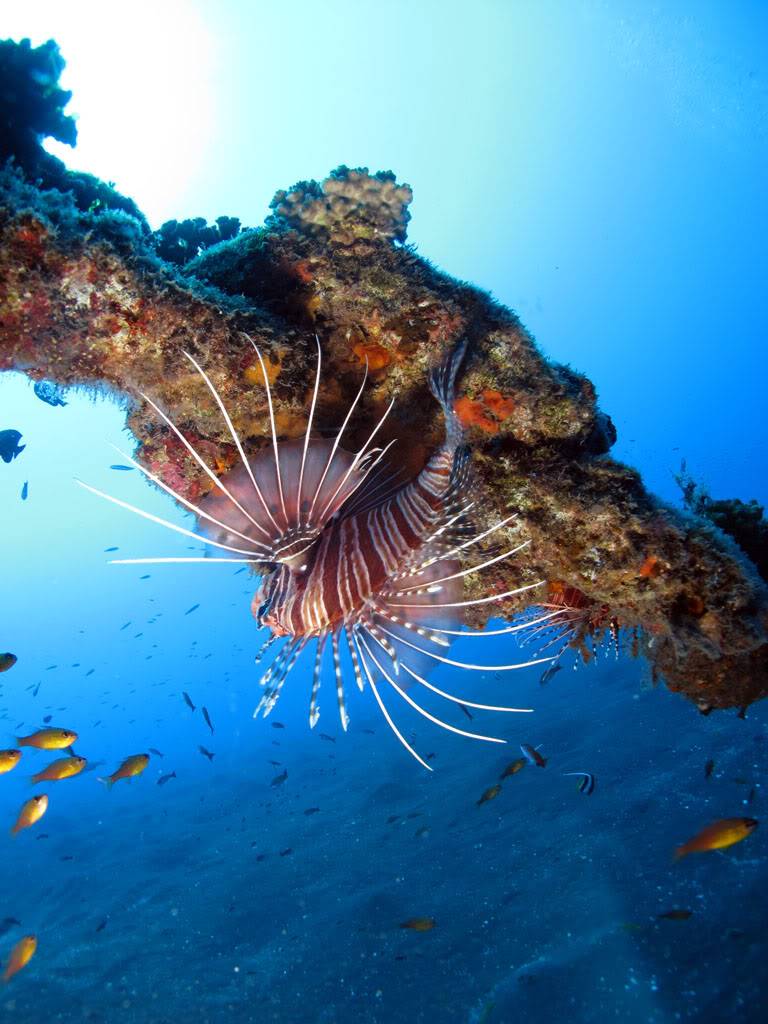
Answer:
[(490, 794), (419, 924), (31, 811), (20, 956), (513, 767), (48, 739), (718, 836), (130, 767), (8, 760), (64, 768)]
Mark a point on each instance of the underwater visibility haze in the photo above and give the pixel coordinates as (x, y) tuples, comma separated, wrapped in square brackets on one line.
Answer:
[(472, 727)]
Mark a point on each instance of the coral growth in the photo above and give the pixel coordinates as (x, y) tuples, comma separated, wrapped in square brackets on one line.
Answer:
[(348, 206), (86, 298)]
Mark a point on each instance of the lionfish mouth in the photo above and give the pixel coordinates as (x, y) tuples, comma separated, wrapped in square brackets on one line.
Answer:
[(348, 552)]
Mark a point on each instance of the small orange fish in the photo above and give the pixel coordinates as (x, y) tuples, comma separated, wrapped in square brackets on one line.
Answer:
[(20, 956), (31, 811), (490, 794), (513, 768), (8, 760), (129, 768), (419, 924), (718, 836), (48, 739), (64, 768)]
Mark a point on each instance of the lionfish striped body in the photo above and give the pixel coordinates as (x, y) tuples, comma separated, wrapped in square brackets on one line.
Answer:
[(358, 554), (347, 555)]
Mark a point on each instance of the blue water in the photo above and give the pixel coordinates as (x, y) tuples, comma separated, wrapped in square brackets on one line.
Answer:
[(600, 167)]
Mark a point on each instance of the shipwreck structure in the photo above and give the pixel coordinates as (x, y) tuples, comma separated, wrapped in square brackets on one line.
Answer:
[(90, 295)]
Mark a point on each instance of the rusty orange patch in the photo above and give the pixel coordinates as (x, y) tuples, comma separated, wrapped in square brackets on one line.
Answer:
[(501, 406), (650, 567), (486, 412), (473, 413), (303, 271), (378, 356)]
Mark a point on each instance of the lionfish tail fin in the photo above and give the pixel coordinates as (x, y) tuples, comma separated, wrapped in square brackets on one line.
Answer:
[(442, 384)]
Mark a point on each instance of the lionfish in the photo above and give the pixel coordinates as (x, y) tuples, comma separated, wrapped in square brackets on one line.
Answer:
[(347, 555)]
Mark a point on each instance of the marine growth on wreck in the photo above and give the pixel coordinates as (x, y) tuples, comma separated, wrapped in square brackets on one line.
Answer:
[(90, 296)]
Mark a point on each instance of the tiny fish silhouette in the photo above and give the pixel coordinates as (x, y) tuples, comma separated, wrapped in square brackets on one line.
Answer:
[(166, 778), (675, 915), (709, 767), (208, 721), (124, 469), (187, 700), (155, 751), (279, 779), (25, 490), (549, 673), (206, 753), (192, 609)]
